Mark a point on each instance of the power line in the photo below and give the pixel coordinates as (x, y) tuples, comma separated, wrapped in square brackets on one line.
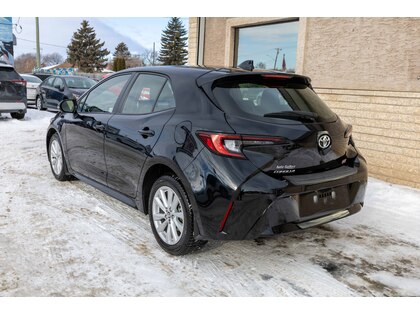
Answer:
[(45, 44)]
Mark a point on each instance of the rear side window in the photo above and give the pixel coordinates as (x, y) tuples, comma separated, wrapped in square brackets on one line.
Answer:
[(258, 96), (149, 93), (7, 74), (166, 98)]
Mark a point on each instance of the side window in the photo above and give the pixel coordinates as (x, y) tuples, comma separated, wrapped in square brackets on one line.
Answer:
[(102, 99), (58, 83), (143, 94), (49, 81), (166, 98)]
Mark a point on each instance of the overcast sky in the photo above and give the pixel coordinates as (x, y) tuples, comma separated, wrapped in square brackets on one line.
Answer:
[(56, 33)]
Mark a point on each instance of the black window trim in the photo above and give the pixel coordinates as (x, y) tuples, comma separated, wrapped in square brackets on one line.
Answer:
[(128, 89)]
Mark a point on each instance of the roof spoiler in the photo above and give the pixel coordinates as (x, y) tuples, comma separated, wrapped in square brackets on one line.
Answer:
[(247, 65)]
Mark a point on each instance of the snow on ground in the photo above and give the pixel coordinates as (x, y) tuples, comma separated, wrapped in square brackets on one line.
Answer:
[(69, 239)]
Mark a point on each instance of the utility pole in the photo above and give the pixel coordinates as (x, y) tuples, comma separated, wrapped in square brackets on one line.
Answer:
[(277, 54), (153, 54), (38, 50)]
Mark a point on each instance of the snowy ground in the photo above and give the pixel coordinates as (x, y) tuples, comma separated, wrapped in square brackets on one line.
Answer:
[(69, 239)]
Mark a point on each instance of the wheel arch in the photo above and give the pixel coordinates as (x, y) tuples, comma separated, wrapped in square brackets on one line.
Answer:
[(50, 133), (152, 170), (155, 168)]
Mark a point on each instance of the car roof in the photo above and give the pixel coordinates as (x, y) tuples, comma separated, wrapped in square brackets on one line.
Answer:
[(199, 71), (69, 76), (5, 65)]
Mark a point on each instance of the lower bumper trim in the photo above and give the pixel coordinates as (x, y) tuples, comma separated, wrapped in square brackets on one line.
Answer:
[(335, 216)]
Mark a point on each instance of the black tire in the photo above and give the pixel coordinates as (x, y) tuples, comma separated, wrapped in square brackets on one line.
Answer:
[(17, 115), (63, 174), (186, 243), (39, 104)]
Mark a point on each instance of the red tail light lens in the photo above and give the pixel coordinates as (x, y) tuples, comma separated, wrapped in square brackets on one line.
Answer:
[(231, 145), (20, 82)]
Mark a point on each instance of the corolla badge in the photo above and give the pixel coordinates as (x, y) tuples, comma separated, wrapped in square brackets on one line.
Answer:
[(324, 141)]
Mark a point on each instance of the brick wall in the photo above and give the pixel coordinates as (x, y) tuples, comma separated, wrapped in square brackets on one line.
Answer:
[(386, 129)]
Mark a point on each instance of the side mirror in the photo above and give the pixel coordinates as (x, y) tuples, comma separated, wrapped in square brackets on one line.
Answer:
[(61, 88), (68, 106)]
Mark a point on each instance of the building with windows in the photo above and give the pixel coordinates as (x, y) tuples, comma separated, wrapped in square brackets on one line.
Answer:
[(366, 69)]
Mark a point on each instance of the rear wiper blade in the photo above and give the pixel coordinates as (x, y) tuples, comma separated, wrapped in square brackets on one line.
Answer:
[(295, 115)]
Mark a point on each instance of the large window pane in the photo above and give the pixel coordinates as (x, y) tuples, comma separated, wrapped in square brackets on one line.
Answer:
[(102, 99), (143, 94), (271, 46)]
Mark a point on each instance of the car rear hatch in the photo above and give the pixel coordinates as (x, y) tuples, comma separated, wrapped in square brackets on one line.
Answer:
[(12, 86), (281, 125)]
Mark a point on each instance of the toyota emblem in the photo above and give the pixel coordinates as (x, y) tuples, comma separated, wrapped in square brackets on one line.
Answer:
[(324, 141)]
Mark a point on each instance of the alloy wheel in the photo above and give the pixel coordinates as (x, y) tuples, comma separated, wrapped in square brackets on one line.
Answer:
[(168, 215), (56, 157), (39, 103)]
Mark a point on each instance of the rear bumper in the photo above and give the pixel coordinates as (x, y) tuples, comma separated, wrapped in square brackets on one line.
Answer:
[(263, 205), (12, 107), (31, 95)]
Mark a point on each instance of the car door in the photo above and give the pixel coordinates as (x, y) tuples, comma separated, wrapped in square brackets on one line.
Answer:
[(85, 130), (45, 90), (56, 93), (134, 129)]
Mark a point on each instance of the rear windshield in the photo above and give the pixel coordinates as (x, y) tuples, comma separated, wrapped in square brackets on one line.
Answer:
[(79, 83), (7, 74), (265, 97)]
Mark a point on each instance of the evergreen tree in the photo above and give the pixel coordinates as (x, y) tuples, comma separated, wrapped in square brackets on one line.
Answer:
[(122, 51), (174, 43), (118, 64), (86, 51)]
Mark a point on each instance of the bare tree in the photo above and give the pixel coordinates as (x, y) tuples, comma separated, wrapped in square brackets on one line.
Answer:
[(134, 61), (25, 63), (52, 59), (149, 58)]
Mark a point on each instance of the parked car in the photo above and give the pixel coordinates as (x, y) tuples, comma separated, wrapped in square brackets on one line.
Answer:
[(208, 157), (32, 82), (43, 76), (12, 92), (57, 88)]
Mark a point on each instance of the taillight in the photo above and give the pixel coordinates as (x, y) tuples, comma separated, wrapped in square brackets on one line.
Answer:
[(20, 82), (231, 144)]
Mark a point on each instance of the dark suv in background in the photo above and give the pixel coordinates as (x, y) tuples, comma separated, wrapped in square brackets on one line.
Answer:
[(211, 153), (12, 92), (56, 88)]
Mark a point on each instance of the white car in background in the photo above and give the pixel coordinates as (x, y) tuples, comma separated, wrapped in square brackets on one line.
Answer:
[(31, 85)]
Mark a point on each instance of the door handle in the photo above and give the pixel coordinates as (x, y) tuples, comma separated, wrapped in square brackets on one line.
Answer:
[(99, 127), (146, 132)]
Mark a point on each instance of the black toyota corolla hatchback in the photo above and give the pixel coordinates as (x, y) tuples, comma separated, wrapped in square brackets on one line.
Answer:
[(211, 154)]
